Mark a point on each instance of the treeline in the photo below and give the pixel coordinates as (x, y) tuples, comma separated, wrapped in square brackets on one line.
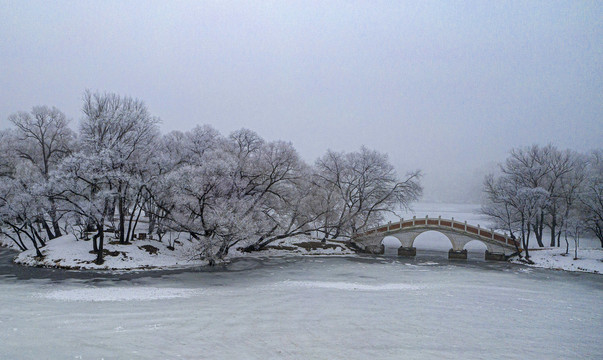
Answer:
[(236, 190), (544, 188)]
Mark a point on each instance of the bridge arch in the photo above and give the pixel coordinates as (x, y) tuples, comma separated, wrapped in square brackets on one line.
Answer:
[(391, 244), (391, 241), (434, 239), (476, 246)]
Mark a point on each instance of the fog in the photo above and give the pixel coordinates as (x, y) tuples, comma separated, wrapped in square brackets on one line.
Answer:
[(448, 88)]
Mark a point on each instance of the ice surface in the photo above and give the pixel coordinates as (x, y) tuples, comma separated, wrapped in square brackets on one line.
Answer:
[(304, 308), (353, 286), (118, 294)]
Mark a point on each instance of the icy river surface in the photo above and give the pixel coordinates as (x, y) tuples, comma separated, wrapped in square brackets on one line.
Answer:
[(303, 308)]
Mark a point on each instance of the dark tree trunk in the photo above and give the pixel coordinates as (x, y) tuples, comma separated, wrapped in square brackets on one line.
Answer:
[(525, 239), (35, 233), (35, 244), (94, 243), (47, 229), (54, 220), (537, 227), (122, 217), (136, 222), (553, 227), (19, 243), (599, 233), (101, 236)]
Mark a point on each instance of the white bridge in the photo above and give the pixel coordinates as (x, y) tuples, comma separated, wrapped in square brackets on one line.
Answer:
[(459, 233)]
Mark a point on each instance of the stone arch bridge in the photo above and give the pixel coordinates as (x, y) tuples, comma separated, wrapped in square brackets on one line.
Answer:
[(498, 245)]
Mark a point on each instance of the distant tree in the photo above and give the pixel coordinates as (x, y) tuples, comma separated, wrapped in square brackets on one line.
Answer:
[(591, 195), (574, 227), (501, 205)]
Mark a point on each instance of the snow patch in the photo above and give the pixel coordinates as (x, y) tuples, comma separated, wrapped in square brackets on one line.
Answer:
[(119, 294), (353, 286), (589, 260)]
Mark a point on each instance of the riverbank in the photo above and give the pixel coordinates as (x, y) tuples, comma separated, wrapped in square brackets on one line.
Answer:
[(68, 252), (589, 260)]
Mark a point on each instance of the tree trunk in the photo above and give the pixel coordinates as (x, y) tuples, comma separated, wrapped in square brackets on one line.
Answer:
[(538, 233), (553, 226), (35, 244), (151, 217), (94, 243), (101, 236), (19, 243), (47, 229), (122, 217), (136, 222), (53, 218), (525, 240), (35, 233)]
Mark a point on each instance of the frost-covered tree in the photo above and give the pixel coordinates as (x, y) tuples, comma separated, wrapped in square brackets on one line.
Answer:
[(123, 130), (43, 138), (529, 168), (238, 190), (23, 204), (358, 189), (85, 184), (513, 207), (591, 195)]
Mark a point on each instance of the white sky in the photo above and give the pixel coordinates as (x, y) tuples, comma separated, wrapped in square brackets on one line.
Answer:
[(447, 87)]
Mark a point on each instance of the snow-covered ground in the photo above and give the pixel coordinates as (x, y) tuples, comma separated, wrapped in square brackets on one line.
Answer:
[(70, 253), (589, 260)]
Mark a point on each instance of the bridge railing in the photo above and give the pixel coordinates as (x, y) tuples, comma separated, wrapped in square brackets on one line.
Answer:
[(441, 223)]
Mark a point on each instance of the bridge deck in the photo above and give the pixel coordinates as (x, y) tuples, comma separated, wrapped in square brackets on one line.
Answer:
[(444, 224)]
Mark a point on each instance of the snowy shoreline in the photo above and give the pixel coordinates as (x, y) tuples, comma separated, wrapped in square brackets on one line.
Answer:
[(589, 260), (68, 253)]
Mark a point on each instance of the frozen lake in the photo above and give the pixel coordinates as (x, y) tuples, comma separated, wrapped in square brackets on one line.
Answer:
[(303, 308)]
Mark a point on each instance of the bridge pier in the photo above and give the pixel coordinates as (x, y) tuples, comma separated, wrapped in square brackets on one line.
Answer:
[(457, 255), (407, 251), (495, 256)]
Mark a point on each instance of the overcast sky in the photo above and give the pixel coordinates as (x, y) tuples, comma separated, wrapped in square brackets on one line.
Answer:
[(447, 87)]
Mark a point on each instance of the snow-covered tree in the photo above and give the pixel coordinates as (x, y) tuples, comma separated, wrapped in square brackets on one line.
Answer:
[(358, 189), (591, 195), (43, 139), (23, 204), (85, 184), (123, 130)]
